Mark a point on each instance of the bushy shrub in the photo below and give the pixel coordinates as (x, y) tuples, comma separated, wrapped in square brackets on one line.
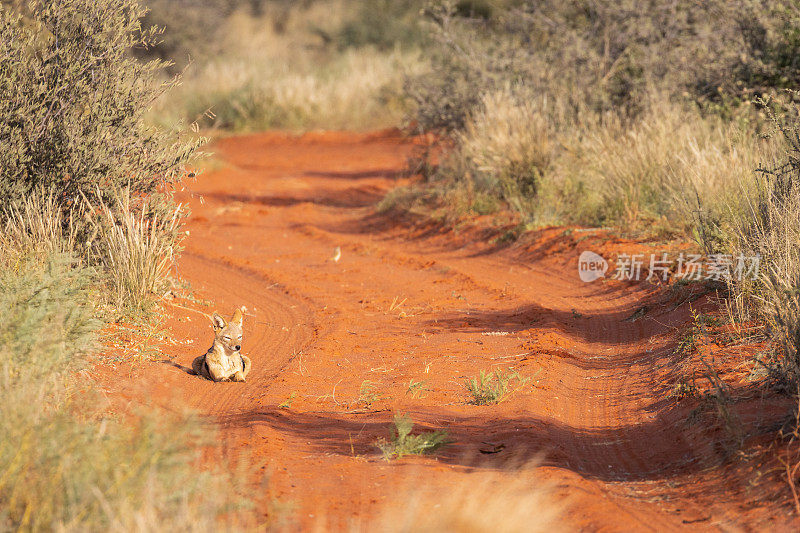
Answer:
[(606, 55), (74, 139), (383, 23), (73, 101)]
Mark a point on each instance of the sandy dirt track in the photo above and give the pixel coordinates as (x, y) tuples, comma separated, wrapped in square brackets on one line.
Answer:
[(416, 302)]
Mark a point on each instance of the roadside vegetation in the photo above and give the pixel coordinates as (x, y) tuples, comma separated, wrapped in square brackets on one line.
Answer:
[(669, 120), (661, 121), (89, 232), (330, 64)]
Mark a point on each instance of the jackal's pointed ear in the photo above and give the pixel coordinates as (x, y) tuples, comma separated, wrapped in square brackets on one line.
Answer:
[(218, 322), (238, 315)]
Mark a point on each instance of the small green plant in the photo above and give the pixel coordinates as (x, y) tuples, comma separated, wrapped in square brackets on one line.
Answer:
[(417, 389), (699, 329), (404, 443), (287, 403), (687, 343), (683, 389), (493, 387), (367, 394)]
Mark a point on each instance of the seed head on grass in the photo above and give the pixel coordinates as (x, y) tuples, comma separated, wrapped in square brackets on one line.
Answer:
[(493, 387), (404, 443)]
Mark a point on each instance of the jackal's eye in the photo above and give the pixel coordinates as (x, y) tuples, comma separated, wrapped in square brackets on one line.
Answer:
[(226, 338), (239, 337)]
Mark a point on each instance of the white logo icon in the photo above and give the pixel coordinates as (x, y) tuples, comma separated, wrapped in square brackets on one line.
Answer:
[(591, 267)]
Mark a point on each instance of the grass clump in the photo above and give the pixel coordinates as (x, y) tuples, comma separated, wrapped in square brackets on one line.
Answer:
[(368, 393), (135, 246), (768, 226), (505, 147), (493, 387), (403, 442)]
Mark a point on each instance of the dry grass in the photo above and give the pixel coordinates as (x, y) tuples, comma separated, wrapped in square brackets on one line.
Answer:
[(135, 248), (263, 77), (507, 143), (670, 170), (38, 227), (65, 462), (509, 501), (662, 167), (768, 225)]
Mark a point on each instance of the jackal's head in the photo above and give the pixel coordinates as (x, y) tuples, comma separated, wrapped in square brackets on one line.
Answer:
[(229, 334)]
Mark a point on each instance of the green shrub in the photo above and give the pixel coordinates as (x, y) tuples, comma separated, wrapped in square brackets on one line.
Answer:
[(493, 387), (73, 101), (404, 443), (74, 139)]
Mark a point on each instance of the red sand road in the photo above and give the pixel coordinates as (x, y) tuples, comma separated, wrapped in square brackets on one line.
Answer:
[(415, 302)]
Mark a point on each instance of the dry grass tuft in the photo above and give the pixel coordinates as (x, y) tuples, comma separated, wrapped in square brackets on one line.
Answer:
[(508, 501), (135, 248), (39, 226), (508, 143)]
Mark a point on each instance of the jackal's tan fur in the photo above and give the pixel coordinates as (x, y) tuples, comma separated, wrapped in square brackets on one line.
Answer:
[(224, 361)]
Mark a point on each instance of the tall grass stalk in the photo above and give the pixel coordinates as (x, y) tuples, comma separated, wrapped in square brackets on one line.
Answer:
[(136, 247), (38, 226)]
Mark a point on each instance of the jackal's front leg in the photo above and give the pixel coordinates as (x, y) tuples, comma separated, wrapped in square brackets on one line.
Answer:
[(240, 375), (216, 372)]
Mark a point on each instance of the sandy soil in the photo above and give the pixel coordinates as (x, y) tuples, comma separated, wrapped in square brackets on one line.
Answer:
[(412, 301)]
